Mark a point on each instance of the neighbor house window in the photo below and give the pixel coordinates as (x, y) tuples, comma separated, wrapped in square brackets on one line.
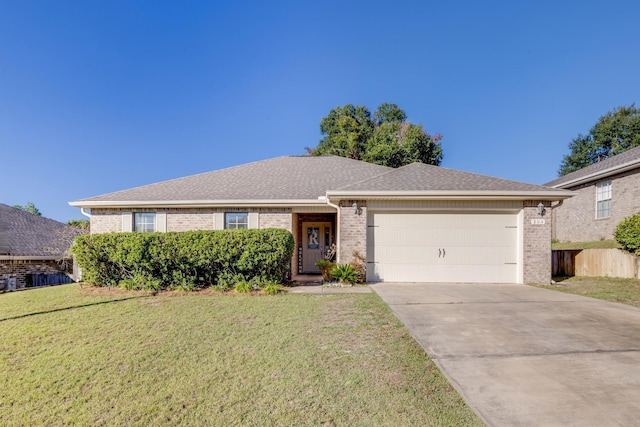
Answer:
[(144, 222), (235, 220), (603, 199)]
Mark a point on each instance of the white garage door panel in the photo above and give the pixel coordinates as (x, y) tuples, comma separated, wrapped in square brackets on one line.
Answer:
[(451, 256), (442, 247), (441, 274)]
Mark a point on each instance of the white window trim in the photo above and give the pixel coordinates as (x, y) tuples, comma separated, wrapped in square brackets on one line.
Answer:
[(599, 186)]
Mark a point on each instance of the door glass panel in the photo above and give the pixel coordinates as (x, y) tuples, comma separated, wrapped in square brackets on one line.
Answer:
[(313, 238)]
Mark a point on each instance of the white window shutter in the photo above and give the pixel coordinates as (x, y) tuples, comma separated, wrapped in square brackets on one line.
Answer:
[(253, 220), (127, 221), (161, 222), (218, 221)]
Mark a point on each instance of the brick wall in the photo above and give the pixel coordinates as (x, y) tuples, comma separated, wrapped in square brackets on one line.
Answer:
[(276, 219), (110, 220), (537, 243), (575, 220), (190, 219), (105, 221), (353, 230), (20, 268)]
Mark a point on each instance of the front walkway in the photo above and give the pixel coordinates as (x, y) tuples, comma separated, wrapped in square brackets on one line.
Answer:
[(525, 356), (312, 284)]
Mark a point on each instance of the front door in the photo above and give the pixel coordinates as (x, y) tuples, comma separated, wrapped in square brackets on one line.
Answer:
[(316, 241)]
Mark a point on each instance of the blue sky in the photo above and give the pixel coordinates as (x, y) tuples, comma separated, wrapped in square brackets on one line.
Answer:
[(99, 96)]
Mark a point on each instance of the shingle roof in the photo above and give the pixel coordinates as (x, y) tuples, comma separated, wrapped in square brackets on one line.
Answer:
[(619, 161), (25, 234), (423, 177), (281, 178)]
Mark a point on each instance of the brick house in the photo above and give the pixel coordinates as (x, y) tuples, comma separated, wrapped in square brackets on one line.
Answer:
[(415, 223), (33, 247), (605, 193)]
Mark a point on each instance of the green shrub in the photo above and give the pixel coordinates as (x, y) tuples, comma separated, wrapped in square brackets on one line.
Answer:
[(345, 273), (185, 260), (628, 234), (325, 267), (272, 289), (242, 287), (140, 282)]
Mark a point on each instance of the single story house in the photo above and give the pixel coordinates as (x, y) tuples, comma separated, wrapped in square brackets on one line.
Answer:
[(415, 223), (34, 250), (605, 193)]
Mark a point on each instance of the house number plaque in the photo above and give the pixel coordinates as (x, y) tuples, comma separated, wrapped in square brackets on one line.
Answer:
[(537, 221)]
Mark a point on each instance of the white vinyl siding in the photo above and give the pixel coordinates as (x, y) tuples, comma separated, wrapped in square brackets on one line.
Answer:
[(603, 199), (410, 246)]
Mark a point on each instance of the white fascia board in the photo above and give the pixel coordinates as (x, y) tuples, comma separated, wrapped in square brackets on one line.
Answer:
[(600, 174), (196, 203), (451, 195), (30, 258)]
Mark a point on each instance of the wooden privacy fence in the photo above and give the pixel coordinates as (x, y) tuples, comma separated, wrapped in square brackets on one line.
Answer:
[(595, 263)]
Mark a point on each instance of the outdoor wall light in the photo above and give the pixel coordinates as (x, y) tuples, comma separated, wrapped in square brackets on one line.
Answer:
[(541, 209), (356, 208)]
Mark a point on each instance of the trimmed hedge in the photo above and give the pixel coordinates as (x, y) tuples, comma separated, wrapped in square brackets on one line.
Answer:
[(628, 234), (185, 260)]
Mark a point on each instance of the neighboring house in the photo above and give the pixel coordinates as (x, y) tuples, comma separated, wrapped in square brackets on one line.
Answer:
[(32, 248), (605, 193), (415, 223)]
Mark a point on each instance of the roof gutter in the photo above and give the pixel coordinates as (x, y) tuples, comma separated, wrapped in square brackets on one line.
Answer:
[(195, 203), (451, 195), (30, 257), (601, 174)]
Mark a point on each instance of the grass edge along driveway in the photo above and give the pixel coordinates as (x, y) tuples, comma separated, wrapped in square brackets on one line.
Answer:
[(71, 355)]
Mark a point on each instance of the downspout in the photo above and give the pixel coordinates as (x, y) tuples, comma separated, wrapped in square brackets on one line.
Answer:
[(337, 208), (83, 212), (553, 218)]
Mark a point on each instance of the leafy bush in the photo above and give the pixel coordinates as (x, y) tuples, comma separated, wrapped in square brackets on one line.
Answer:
[(325, 267), (140, 282), (272, 289), (185, 260), (628, 234), (242, 287), (345, 273), (358, 262)]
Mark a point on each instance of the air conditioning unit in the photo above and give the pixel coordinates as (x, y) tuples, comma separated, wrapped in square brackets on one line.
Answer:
[(10, 284)]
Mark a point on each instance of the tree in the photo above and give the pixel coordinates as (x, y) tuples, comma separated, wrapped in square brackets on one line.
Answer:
[(615, 132), (29, 207), (79, 223), (386, 138)]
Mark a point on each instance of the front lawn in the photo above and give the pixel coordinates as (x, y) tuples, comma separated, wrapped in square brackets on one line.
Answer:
[(84, 356), (625, 291)]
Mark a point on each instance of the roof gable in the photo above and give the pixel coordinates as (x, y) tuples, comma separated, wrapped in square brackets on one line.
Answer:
[(25, 234), (629, 159)]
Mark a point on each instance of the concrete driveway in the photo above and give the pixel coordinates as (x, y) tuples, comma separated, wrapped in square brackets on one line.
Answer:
[(524, 356)]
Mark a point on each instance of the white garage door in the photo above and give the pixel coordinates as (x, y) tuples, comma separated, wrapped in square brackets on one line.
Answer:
[(442, 247)]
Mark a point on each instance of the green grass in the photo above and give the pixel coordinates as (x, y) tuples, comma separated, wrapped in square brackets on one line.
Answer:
[(625, 291), (78, 356), (596, 244)]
